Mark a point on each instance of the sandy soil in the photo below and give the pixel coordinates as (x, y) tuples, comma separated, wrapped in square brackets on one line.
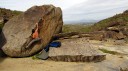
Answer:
[(112, 62)]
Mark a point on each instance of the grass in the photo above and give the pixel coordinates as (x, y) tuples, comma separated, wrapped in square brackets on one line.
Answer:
[(34, 57), (118, 18), (108, 51), (16, 12), (9, 13), (1, 25), (76, 28)]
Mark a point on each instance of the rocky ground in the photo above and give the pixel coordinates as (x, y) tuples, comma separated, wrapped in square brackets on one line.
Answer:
[(114, 60)]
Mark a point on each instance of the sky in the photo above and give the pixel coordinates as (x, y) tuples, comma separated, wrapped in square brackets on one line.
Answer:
[(23, 5), (95, 10), (74, 10)]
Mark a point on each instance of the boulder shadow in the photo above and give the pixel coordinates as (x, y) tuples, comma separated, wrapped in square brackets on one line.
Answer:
[(2, 43)]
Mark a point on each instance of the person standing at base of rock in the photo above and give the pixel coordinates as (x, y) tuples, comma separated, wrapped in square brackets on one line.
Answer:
[(35, 34)]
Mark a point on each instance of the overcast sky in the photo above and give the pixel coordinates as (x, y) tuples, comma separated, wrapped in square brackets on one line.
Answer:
[(25, 4), (74, 10)]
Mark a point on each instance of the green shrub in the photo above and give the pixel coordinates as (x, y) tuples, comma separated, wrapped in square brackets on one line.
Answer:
[(108, 51), (118, 18), (76, 28), (1, 25)]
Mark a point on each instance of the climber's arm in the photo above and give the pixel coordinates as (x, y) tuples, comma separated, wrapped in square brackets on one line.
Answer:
[(36, 27)]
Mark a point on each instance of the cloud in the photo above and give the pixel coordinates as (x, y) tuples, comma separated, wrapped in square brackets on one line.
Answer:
[(23, 5), (95, 10), (74, 10)]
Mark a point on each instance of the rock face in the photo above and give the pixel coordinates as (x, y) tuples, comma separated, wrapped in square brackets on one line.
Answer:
[(18, 29), (102, 35), (76, 50)]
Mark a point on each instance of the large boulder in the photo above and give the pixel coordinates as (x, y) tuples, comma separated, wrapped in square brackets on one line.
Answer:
[(115, 35), (18, 30)]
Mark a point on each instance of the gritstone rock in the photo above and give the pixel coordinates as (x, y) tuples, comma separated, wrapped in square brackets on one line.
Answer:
[(18, 30)]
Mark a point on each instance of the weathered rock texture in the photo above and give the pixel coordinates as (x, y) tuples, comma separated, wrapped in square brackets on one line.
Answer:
[(18, 29), (76, 50), (97, 35)]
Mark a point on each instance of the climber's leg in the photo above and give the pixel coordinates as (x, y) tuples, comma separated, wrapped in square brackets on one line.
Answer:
[(34, 40)]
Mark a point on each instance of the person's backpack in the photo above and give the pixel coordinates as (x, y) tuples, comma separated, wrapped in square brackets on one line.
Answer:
[(43, 55), (55, 44)]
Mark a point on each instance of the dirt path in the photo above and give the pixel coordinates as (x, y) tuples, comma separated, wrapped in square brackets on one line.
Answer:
[(112, 62), (28, 64)]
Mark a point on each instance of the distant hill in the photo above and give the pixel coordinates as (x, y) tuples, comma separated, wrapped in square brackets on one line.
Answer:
[(80, 21), (119, 21), (115, 27), (6, 14)]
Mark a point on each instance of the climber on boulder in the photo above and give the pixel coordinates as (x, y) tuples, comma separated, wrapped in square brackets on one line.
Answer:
[(35, 35)]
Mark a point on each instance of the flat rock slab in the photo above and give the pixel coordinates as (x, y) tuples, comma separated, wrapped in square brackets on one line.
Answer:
[(76, 50)]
